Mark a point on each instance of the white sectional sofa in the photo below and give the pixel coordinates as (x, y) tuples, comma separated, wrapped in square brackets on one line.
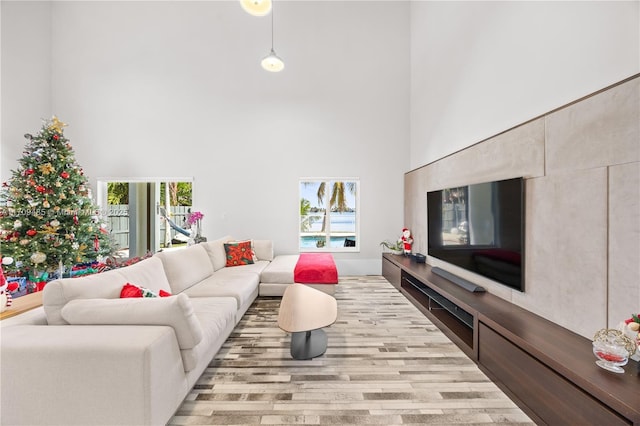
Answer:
[(89, 357)]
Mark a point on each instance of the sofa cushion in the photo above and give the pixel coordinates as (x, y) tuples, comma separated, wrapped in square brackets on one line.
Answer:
[(176, 312), (186, 267), (148, 273), (57, 293), (263, 249), (216, 315), (239, 253), (215, 250), (256, 268), (241, 286), (280, 270), (106, 285)]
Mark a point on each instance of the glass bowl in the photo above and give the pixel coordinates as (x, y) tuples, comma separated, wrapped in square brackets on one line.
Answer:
[(613, 349)]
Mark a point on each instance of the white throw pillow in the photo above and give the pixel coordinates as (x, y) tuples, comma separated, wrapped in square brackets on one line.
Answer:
[(263, 249)]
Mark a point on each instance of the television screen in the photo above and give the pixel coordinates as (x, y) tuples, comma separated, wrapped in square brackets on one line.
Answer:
[(480, 228)]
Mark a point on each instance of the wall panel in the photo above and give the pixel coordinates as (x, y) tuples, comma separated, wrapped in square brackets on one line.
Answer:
[(582, 206)]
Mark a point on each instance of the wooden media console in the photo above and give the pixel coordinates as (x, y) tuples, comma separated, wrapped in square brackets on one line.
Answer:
[(548, 370)]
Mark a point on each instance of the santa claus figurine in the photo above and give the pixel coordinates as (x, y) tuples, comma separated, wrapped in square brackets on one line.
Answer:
[(406, 240), (5, 289)]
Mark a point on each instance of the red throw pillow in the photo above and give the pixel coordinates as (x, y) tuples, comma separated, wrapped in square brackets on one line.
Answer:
[(239, 253), (130, 290)]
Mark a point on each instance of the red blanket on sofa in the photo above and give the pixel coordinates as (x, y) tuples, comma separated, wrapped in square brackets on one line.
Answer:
[(315, 268)]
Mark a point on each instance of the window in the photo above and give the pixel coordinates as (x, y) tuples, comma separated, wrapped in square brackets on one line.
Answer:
[(146, 214), (329, 214)]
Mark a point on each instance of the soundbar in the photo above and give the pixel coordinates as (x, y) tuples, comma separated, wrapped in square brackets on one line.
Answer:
[(467, 285)]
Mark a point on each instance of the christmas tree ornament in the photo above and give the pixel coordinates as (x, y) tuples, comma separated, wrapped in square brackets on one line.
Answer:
[(45, 168), (49, 230), (46, 204), (64, 175), (17, 224), (32, 232), (56, 124), (38, 257), (96, 244)]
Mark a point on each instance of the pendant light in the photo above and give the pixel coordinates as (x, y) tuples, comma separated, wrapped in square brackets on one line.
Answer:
[(272, 62), (256, 7)]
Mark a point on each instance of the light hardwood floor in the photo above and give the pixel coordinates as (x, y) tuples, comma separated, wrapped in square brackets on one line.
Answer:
[(386, 364)]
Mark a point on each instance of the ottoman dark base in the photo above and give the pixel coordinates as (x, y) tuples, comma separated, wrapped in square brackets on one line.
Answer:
[(308, 344)]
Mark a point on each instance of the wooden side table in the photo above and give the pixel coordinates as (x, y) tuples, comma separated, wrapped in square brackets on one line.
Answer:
[(304, 311), (23, 304)]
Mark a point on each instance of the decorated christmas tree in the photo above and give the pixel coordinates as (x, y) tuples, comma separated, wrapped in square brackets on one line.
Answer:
[(49, 222)]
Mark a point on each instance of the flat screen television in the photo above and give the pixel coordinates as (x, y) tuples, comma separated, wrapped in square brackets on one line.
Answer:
[(480, 228)]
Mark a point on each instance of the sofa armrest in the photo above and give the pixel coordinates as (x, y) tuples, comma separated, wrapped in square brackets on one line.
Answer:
[(175, 311), (85, 375)]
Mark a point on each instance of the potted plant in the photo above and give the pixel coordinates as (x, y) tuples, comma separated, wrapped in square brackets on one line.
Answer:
[(394, 247)]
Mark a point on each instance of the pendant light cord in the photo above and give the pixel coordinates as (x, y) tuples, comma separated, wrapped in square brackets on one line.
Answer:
[(272, 3)]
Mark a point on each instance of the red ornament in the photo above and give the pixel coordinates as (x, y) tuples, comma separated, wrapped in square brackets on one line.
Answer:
[(75, 219), (56, 137), (31, 232), (96, 243), (64, 175), (41, 188), (28, 172)]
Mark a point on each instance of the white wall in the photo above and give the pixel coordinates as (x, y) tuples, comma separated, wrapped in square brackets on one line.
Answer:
[(176, 89), (480, 68), (25, 76)]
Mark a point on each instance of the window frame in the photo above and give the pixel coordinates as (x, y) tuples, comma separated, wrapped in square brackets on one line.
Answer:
[(327, 234)]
